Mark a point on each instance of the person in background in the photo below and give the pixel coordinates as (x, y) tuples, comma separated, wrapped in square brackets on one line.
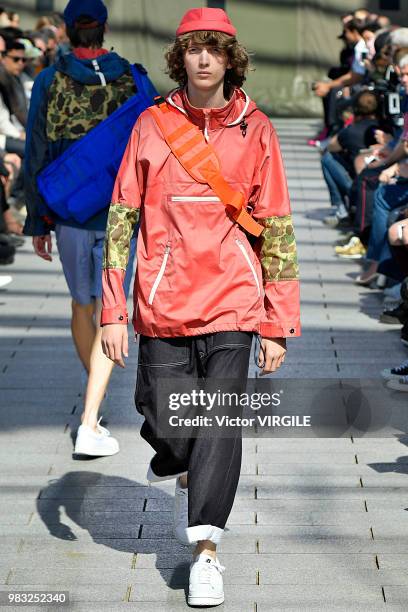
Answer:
[(342, 150), (327, 90), (4, 18), (12, 132), (68, 100), (391, 194), (14, 62), (14, 19)]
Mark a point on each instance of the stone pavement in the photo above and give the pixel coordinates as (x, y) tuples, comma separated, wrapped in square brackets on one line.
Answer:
[(318, 524)]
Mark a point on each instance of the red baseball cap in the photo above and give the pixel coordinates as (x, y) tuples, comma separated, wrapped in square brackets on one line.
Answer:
[(212, 19)]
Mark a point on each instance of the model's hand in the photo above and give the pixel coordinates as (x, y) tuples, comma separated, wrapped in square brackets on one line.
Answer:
[(115, 342), (273, 352), (43, 246), (322, 89)]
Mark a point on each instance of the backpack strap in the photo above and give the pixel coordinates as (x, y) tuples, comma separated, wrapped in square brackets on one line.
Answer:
[(200, 160), (143, 85)]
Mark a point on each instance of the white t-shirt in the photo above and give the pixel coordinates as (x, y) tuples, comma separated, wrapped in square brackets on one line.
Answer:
[(358, 62)]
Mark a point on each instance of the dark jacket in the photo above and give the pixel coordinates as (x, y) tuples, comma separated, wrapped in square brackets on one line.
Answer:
[(68, 100)]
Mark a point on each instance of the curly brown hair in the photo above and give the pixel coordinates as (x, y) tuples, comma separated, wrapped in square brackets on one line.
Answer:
[(237, 55)]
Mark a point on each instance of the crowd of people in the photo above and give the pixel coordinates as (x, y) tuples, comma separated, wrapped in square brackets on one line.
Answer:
[(364, 146), (23, 55)]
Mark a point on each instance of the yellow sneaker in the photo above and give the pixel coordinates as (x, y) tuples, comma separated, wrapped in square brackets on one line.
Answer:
[(355, 249)]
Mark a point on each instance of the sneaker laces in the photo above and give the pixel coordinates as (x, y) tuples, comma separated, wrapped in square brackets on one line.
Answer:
[(207, 569), (102, 430)]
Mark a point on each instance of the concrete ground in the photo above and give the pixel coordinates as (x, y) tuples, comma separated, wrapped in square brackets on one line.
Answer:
[(318, 524)]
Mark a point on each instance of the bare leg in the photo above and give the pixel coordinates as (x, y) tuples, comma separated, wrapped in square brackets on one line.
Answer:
[(83, 331), (207, 547), (99, 374)]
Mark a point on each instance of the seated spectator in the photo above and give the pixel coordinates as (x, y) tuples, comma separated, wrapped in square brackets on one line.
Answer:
[(338, 161), (4, 18), (7, 248), (397, 377), (390, 195), (12, 134), (369, 30), (352, 32), (46, 40), (33, 57), (14, 19), (13, 64)]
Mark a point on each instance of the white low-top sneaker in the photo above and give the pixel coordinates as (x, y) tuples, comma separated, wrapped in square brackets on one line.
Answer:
[(95, 443), (5, 280), (206, 586), (180, 514), (399, 384)]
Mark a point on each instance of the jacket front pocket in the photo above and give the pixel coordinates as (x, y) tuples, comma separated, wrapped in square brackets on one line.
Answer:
[(250, 264), (160, 275)]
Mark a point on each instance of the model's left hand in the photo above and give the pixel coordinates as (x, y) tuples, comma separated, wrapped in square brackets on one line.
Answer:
[(273, 352)]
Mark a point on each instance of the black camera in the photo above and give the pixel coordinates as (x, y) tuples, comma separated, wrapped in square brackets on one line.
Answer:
[(390, 93)]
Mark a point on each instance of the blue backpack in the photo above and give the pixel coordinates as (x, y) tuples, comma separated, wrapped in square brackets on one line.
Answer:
[(79, 183)]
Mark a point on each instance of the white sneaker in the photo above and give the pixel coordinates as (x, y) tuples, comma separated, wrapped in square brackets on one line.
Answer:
[(5, 280), (180, 514), (399, 384), (95, 443), (206, 586)]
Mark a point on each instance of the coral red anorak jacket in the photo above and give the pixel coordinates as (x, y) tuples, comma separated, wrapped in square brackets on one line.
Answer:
[(197, 272)]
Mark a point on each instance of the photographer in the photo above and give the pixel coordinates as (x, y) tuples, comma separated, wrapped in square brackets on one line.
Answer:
[(391, 194)]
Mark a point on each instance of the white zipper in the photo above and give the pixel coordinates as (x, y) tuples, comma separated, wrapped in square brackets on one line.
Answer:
[(160, 275), (195, 199), (245, 254)]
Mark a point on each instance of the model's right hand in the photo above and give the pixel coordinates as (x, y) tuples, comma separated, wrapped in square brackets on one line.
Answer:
[(43, 246), (115, 342)]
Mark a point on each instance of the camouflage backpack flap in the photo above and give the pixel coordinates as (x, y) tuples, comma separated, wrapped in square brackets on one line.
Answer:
[(76, 108)]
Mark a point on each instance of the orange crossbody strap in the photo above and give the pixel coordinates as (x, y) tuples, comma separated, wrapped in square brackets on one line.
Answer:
[(199, 159)]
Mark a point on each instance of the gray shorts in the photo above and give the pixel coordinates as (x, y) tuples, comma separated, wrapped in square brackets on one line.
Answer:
[(81, 254)]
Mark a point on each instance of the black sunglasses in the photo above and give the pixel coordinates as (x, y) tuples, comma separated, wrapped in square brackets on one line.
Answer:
[(17, 59)]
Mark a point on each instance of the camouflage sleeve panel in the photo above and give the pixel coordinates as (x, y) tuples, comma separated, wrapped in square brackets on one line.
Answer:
[(119, 231), (277, 249)]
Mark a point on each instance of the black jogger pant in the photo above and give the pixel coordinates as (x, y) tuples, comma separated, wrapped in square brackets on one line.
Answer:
[(213, 463)]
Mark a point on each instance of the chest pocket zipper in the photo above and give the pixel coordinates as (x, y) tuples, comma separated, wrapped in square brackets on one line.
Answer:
[(195, 199), (250, 264), (160, 275)]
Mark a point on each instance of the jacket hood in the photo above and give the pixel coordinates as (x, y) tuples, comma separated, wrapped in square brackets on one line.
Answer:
[(239, 107), (109, 67)]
